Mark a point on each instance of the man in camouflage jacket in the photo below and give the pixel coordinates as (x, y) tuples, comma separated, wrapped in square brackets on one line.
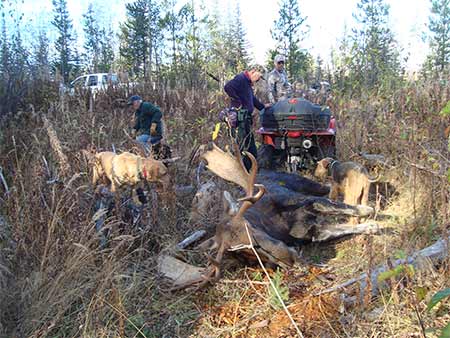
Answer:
[(279, 86)]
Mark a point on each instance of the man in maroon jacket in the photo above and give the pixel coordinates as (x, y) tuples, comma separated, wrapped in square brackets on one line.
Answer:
[(240, 91)]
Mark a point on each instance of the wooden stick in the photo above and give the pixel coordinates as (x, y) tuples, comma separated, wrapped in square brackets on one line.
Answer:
[(5, 185), (294, 324), (434, 253)]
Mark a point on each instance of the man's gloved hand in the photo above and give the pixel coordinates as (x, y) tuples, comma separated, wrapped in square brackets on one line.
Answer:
[(153, 131)]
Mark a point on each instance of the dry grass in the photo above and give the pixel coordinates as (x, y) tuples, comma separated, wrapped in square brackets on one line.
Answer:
[(64, 285)]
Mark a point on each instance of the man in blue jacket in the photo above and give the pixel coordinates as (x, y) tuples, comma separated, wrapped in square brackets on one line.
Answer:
[(147, 118), (240, 91)]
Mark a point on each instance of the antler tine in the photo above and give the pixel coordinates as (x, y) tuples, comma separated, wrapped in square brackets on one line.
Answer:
[(257, 197), (248, 201)]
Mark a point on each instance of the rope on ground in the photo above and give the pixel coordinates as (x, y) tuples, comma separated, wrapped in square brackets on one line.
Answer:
[(272, 284)]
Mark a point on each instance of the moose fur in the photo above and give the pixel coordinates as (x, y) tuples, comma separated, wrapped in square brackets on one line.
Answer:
[(283, 212)]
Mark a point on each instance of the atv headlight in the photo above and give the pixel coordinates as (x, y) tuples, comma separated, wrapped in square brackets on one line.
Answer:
[(307, 144)]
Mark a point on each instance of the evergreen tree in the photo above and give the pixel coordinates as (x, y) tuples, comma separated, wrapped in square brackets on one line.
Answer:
[(346, 68), (20, 64), (287, 30), (135, 35), (41, 62), (14, 70), (191, 45), (375, 49), (439, 25), (237, 44), (5, 61), (126, 58), (270, 56), (4, 51), (173, 25), (65, 39), (156, 40), (217, 54), (92, 44), (141, 37), (19, 55), (319, 69), (106, 57)]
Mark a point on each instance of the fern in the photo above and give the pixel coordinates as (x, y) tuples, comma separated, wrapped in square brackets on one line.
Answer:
[(283, 291), (437, 298)]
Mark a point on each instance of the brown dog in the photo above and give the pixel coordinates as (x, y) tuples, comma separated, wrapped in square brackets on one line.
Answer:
[(349, 179), (129, 169), (102, 166)]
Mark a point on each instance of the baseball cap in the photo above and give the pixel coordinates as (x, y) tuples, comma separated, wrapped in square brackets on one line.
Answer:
[(133, 98), (279, 58), (260, 69)]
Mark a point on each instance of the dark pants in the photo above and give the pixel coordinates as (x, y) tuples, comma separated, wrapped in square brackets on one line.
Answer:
[(246, 139)]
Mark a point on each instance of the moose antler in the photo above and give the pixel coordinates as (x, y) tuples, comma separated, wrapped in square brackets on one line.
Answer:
[(232, 169)]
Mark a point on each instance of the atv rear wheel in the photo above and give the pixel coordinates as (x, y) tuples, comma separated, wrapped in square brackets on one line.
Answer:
[(265, 156)]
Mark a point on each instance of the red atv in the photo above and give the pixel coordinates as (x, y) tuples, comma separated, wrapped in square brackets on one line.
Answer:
[(296, 133)]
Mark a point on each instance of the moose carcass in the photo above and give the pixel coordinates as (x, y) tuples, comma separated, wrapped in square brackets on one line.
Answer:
[(276, 217)]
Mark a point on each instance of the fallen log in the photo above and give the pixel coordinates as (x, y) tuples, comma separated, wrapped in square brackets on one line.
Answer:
[(328, 232), (191, 239), (419, 260)]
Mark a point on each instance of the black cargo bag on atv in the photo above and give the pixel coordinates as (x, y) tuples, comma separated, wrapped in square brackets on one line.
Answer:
[(296, 114)]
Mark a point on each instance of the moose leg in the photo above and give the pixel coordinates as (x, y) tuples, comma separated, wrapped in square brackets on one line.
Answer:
[(214, 273), (218, 261), (328, 232)]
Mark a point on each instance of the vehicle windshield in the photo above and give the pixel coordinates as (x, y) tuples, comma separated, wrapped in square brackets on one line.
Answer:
[(77, 83)]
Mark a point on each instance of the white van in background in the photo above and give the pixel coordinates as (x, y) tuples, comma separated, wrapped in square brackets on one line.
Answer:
[(94, 82)]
